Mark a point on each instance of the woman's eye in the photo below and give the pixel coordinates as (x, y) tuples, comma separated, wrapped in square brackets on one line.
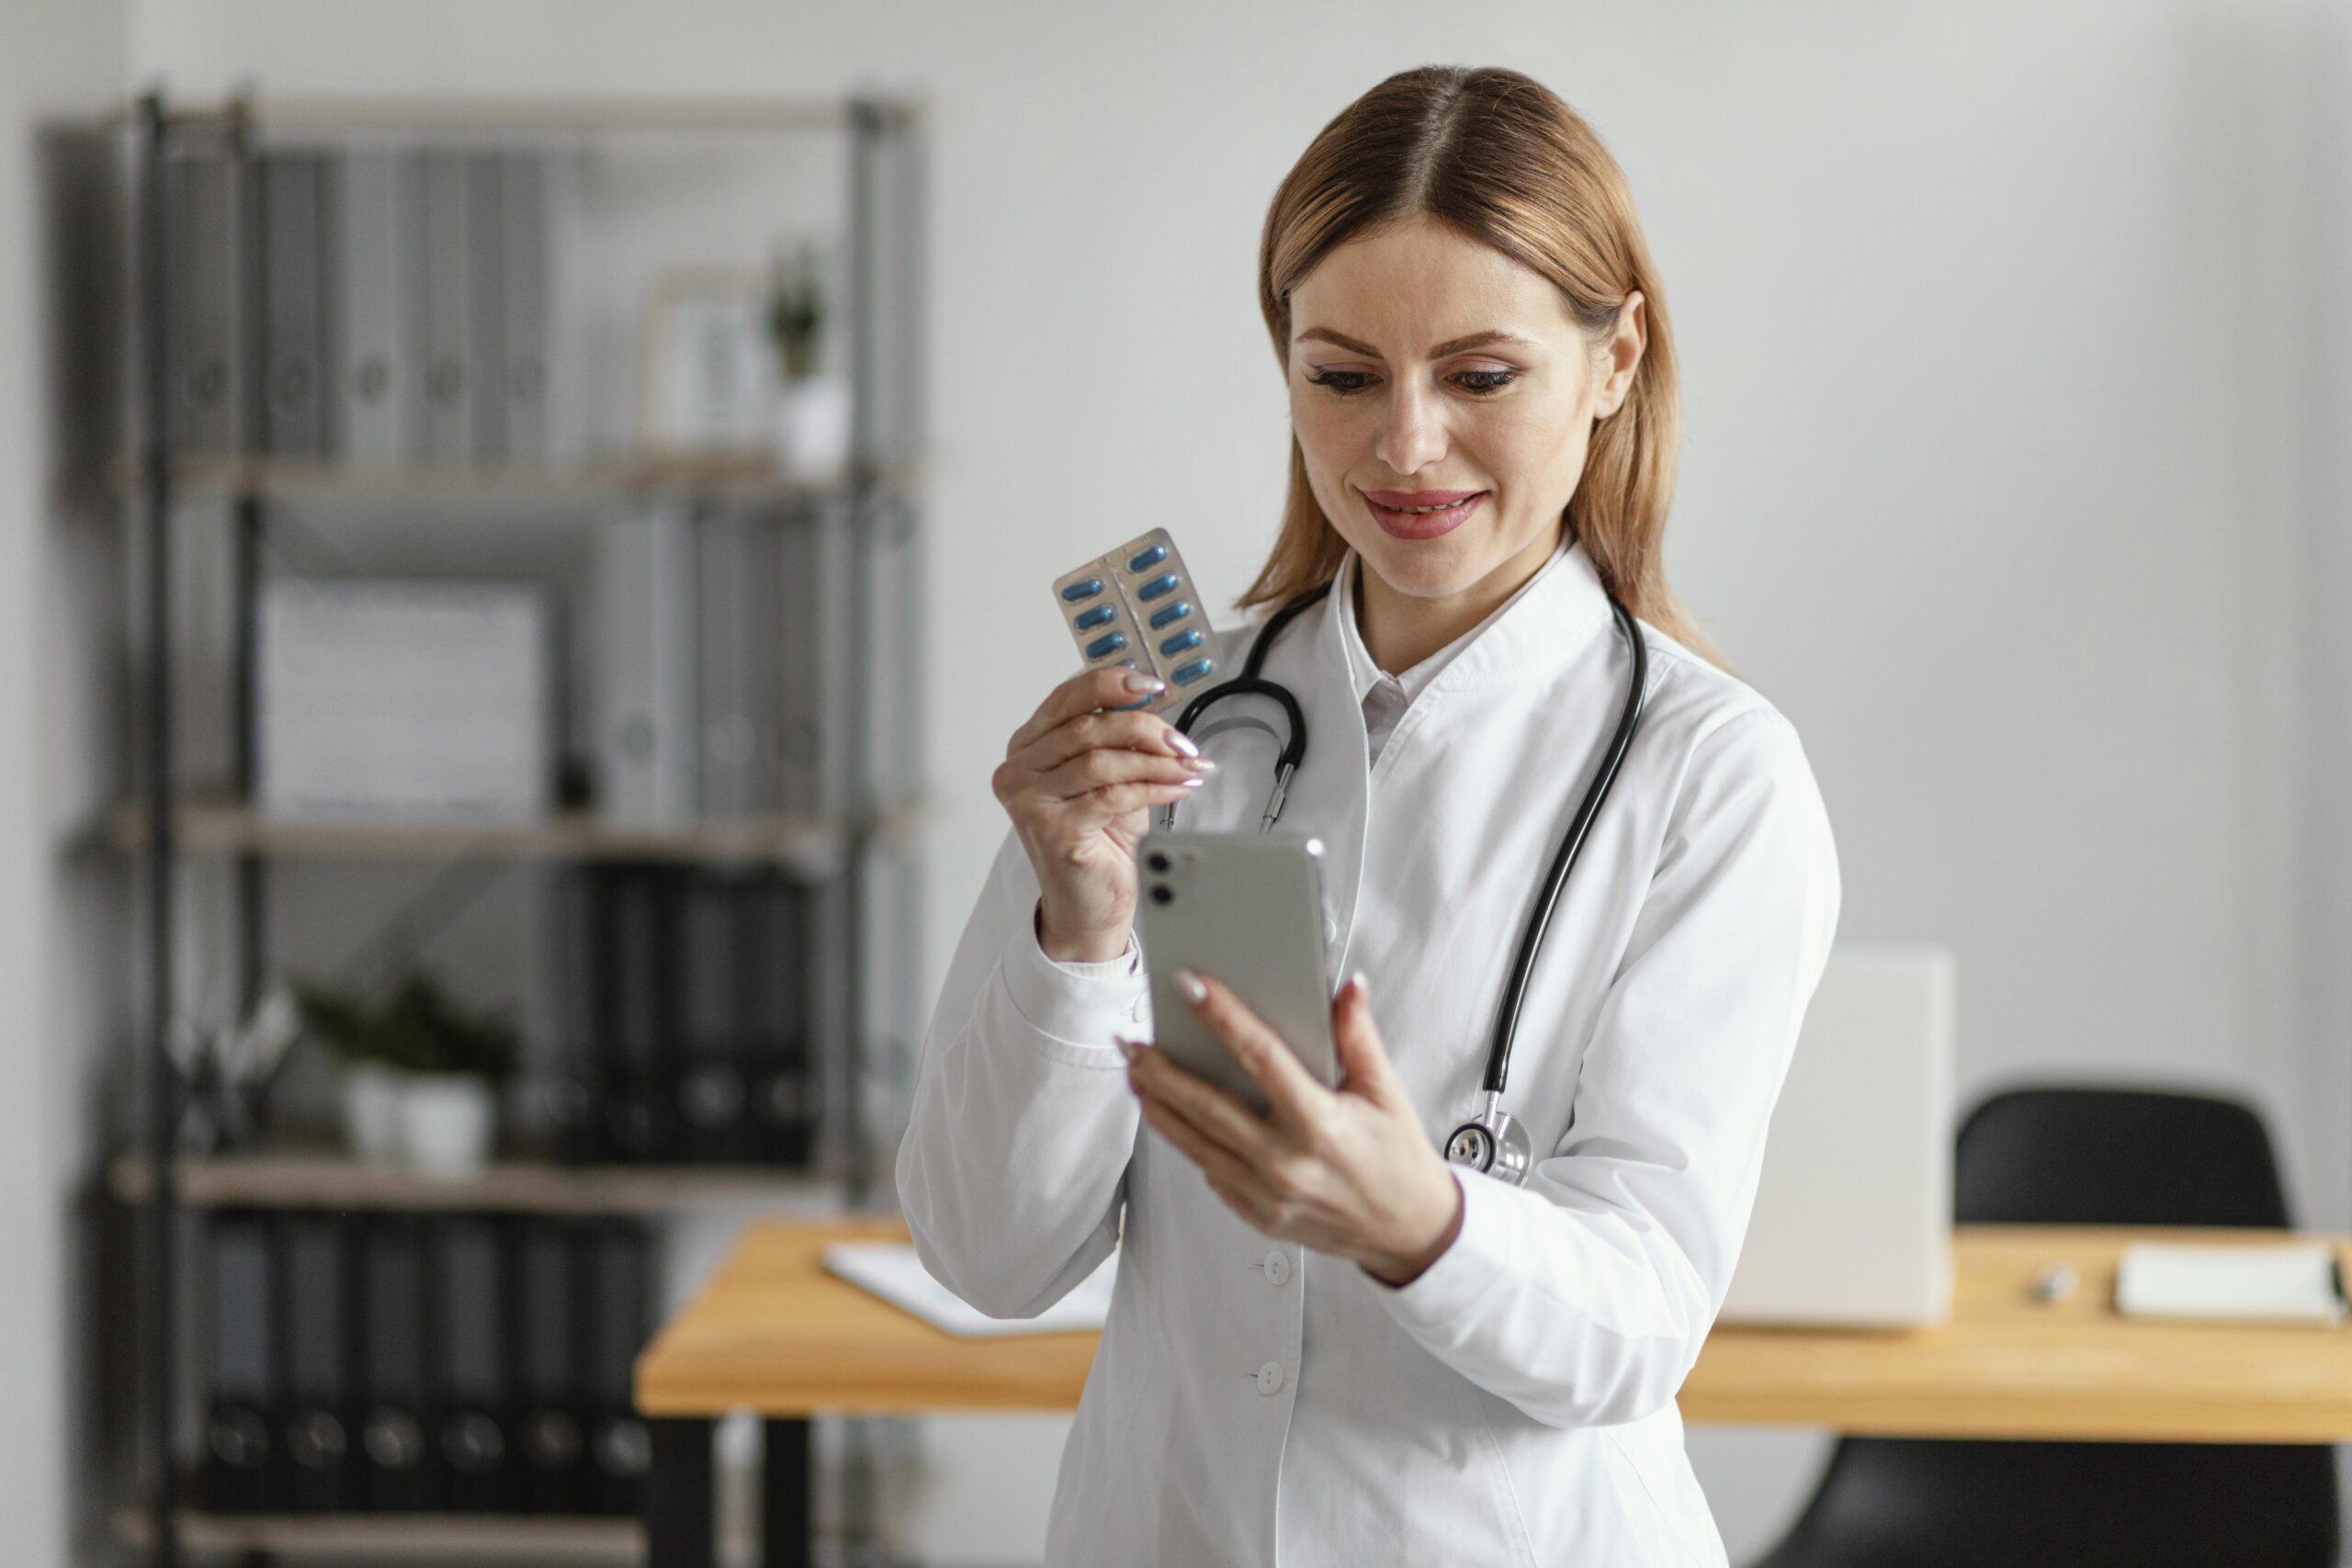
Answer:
[(1339, 382), (1486, 380)]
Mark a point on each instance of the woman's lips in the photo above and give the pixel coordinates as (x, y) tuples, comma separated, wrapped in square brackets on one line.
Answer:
[(1385, 508)]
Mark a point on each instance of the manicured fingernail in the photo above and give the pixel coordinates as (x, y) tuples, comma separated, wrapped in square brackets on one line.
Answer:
[(1206, 765), (1189, 986), (1139, 682), (1182, 743), (1195, 781), (1363, 985)]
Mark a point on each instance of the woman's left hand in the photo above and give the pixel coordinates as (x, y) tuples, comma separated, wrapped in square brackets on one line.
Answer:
[(1347, 1171)]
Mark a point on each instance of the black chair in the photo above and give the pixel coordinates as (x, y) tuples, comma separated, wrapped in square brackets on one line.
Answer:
[(2085, 1156)]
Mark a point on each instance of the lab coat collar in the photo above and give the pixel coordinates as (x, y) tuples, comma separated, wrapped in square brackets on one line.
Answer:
[(1537, 632)]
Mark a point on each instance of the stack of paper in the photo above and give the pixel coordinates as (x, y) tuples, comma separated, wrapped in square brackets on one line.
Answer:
[(2295, 1283), (890, 1269)]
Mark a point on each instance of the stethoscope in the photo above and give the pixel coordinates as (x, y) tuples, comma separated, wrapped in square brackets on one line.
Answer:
[(1492, 1141)]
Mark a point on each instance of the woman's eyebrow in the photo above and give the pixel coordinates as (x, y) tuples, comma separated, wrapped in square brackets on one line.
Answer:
[(1451, 345)]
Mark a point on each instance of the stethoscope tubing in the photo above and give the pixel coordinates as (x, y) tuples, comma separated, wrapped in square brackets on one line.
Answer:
[(1250, 683)]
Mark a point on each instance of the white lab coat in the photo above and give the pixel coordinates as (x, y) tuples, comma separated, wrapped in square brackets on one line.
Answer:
[(1254, 1402)]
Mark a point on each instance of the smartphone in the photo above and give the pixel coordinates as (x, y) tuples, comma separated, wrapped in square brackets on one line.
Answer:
[(1246, 908)]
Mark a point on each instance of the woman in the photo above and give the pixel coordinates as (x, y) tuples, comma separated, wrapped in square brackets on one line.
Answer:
[(1326, 1345)]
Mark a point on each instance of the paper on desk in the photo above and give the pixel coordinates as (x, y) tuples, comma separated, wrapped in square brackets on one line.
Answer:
[(890, 1269), (2295, 1283)]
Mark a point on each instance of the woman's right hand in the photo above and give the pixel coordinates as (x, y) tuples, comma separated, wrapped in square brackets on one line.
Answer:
[(1079, 784)]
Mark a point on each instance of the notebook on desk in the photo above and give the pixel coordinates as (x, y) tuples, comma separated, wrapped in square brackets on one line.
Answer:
[(1852, 1224), (2297, 1282), (891, 1270)]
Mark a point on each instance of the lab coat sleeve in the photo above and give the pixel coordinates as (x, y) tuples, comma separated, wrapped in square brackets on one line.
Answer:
[(1584, 1297), (1013, 1166)]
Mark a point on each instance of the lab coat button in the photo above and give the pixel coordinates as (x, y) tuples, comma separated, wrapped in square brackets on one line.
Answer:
[(1269, 1378), (1277, 1269)]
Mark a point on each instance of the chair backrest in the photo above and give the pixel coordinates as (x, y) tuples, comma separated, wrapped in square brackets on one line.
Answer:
[(2077, 1155)]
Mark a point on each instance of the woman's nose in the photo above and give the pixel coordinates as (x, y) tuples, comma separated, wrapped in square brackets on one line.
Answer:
[(1413, 434)]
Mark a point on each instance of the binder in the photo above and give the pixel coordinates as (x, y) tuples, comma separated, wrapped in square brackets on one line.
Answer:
[(635, 1020), (399, 1466), (645, 699), (485, 331), (471, 1291), (208, 396), (320, 1422), (525, 290), (450, 419), (739, 581), (293, 256), (807, 581), (245, 1469), (716, 961), (576, 1107), (620, 1296), (379, 401), (786, 1093), (551, 1433)]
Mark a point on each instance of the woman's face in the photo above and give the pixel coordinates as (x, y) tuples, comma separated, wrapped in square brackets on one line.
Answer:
[(1427, 369)]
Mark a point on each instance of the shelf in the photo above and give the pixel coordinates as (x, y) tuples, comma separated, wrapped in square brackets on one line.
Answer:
[(236, 478), (328, 1179), (554, 1537), (811, 845), (533, 114)]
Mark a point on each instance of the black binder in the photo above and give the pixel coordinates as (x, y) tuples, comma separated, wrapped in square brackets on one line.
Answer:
[(633, 964), (619, 1294), (400, 1462), (551, 1435), (471, 1293), (244, 1463), (786, 1094), (320, 1417), (717, 965)]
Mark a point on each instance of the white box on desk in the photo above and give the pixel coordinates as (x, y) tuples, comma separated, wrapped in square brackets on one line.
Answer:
[(404, 701)]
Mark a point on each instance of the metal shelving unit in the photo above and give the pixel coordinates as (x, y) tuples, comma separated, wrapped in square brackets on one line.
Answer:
[(864, 845)]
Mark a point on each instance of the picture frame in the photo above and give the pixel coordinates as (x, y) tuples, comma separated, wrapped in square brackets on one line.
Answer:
[(706, 382)]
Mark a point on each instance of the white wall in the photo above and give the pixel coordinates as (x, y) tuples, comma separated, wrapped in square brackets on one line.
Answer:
[(63, 57), (2007, 473)]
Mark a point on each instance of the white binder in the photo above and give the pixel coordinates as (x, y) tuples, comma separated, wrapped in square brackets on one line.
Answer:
[(485, 333), (523, 371), (449, 301), (293, 220), (208, 398), (380, 403), (644, 699)]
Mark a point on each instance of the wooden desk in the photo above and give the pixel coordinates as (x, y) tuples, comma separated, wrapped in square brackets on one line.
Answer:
[(774, 1333)]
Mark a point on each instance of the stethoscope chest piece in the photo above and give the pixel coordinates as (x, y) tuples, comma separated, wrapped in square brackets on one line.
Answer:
[(1492, 1144)]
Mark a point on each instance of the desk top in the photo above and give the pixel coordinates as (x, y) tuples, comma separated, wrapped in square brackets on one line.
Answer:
[(773, 1332)]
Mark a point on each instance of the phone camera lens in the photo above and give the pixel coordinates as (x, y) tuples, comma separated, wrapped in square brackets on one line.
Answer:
[(1156, 860), (1162, 894)]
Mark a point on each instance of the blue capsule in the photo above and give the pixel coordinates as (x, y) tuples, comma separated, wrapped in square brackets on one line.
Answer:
[(1084, 588), (1150, 557), (1176, 611), (1102, 615), (1189, 638), (1109, 643), (1164, 583), (1185, 675)]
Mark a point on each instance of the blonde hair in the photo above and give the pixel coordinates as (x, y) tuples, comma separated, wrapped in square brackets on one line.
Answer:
[(1501, 159)]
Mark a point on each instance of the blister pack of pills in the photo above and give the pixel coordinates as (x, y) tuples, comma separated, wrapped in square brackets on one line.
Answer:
[(1136, 608)]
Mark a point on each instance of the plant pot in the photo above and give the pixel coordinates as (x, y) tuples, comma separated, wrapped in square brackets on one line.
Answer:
[(812, 429), (448, 1123), (371, 1099)]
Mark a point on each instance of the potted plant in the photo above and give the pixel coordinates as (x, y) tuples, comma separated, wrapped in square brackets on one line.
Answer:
[(421, 1076), (813, 407)]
